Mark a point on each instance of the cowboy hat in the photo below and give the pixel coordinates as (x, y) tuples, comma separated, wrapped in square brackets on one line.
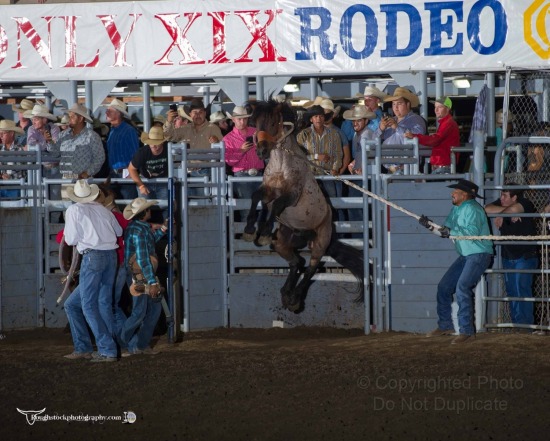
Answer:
[(64, 121), (120, 106), (316, 102), (240, 112), (81, 110), (137, 206), (218, 116), (154, 137), (444, 101), (374, 91), (401, 92), (467, 186), (82, 191), (359, 112), (7, 125), (25, 104), (314, 110), (100, 128), (40, 111), (183, 113), (328, 105), (160, 119)]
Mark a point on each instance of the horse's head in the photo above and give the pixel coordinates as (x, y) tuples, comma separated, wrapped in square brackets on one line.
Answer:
[(269, 118)]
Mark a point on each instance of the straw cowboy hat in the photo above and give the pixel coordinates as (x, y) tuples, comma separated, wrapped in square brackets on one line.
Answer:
[(40, 111), (328, 106), (218, 116), (81, 110), (137, 206), (7, 125), (240, 112), (64, 121), (467, 186), (375, 91), (120, 106), (401, 92), (25, 104), (183, 113), (154, 137), (316, 102), (359, 112), (82, 192)]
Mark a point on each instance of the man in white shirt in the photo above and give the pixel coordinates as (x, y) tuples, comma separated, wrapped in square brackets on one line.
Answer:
[(93, 229)]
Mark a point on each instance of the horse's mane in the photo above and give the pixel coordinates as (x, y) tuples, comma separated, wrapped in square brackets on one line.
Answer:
[(271, 106)]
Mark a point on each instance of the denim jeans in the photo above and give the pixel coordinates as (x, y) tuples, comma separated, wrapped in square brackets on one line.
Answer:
[(520, 285), (118, 314), (460, 279), (139, 327), (77, 322), (95, 299)]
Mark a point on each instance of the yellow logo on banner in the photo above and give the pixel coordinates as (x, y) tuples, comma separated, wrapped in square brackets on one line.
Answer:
[(535, 29)]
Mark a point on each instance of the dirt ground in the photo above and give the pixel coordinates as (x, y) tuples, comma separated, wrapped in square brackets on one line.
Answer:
[(281, 384)]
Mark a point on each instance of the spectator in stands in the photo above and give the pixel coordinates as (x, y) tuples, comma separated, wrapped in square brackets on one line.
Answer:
[(467, 218), (221, 120), (8, 132), (122, 144), (80, 148), (324, 147), (181, 119), (392, 130), (520, 257), (446, 136), (151, 162), (499, 119), (142, 262), (23, 122), (159, 120), (331, 113), (63, 123), (94, 230), (374, 98)]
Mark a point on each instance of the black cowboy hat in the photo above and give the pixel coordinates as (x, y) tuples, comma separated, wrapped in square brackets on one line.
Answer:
[(468, 187), (315, 110)]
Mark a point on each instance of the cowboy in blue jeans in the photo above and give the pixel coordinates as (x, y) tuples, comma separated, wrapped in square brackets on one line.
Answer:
[(141, 261), (94, 230), (467, 218)]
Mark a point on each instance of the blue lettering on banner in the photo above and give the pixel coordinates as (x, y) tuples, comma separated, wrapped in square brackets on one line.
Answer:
[(442, 32)]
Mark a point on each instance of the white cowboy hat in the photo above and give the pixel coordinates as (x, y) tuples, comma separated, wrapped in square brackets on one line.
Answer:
[(401, 92), (7, 125), (239, 112), (64, 121), (120, 106), (183, 113), (81, 110), (25, 104), (218, 116), (375, 91), (137, 206), (154, 137), (359, 112), (40, 111), (328, 105), (83, 192), (316, 102)]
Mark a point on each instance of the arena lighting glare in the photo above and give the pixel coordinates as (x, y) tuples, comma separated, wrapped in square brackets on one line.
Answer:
[(289, 88), (461, 83)]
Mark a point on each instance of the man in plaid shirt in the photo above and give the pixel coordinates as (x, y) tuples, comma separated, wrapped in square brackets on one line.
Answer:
[(141, 261)]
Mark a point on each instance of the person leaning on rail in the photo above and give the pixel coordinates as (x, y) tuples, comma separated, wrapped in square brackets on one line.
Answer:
[(467, 218)]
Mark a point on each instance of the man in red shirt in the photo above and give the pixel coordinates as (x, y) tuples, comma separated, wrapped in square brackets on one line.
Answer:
[(446, 136)]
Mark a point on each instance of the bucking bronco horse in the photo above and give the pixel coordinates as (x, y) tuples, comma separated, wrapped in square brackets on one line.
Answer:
[(291, 195)]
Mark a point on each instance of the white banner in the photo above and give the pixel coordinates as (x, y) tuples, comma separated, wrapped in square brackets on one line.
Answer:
[(219, 38)]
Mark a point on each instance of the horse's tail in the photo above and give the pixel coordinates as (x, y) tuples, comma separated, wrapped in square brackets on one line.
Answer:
[(350, 258)]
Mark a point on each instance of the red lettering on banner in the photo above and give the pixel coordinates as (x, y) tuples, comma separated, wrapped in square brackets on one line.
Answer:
[(259, 35), (190, 56), (116, 39), (3, 44), (24, 26), (70, 44), (218, 36)]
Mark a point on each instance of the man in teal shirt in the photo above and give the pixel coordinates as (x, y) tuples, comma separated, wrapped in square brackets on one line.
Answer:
[(467, 218)]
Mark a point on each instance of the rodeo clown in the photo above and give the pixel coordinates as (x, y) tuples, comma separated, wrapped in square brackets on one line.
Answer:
[(142, 262)]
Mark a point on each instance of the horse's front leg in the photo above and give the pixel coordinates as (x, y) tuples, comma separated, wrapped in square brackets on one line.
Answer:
[(250, 230), (283, 246), (278, 206), (298, 294)]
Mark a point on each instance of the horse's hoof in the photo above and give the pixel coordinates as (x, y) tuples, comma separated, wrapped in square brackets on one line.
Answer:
[(294, 307), (249, 237), (264, 240)]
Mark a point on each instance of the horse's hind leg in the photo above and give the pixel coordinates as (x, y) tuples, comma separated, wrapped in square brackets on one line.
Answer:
[(284, 248), (249, 234)]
